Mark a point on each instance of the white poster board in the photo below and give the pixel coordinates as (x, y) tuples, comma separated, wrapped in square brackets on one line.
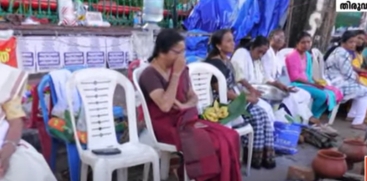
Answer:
[(48, 55), (73, 51), (27, 52), (43, 54), (118, 52), (96, 53)]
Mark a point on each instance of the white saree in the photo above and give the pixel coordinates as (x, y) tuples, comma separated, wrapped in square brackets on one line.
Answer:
[(25, 163), (297, 102), (243, 71)]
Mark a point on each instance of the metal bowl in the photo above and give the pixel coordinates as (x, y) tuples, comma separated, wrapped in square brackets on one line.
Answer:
[(270, 92)]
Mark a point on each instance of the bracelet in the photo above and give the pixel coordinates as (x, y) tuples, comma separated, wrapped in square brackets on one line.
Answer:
[(10, 142)]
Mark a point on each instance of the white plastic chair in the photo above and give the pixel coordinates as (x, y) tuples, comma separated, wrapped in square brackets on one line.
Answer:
[(165, 150), (319, 73), (96, 87), (334, 112), (200, 75)]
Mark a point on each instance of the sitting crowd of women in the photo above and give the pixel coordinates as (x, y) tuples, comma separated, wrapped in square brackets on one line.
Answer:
[(211, 151)]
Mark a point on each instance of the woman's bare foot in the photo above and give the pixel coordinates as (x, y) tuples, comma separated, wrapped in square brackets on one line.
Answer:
[(359, 127), (314, 120)]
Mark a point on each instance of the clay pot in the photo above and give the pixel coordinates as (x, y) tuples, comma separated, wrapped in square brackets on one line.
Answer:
[(354, 149), (329, 164)]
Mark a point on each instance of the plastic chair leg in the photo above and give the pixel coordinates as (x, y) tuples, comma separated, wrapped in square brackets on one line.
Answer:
[(156, 174), (122, 174), (73, 162), (186, 177), (146, 171), (249, 154), (333, 114), (54, 149), (165, 160), (84, 172), (101, 172)]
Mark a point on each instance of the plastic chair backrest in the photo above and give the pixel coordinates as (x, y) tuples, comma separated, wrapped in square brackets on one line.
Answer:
[(148, 122), (46, 81), (96, 87), (318, 64), (282, 54), (201, 74)]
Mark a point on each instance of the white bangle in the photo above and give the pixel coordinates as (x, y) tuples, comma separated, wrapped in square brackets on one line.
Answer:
[(10, 142)]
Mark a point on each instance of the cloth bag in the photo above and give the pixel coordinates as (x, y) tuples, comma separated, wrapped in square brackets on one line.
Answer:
[(286, 137)]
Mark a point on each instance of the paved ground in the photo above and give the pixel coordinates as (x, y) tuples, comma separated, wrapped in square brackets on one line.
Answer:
[(303, 158)]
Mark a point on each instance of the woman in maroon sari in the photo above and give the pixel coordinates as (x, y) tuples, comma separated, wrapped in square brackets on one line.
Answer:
[(211, 151)]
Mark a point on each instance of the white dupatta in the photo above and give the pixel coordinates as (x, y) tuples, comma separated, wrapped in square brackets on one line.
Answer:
[(12, 82)]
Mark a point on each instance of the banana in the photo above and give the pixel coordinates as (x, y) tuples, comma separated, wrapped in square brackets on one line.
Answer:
[(215, 112), (321, 82), (204, 117), (223, 112), (216, 106), (211, 115)]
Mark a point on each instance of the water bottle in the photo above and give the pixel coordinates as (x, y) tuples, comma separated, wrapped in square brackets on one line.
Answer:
[(137, 20), (153, 11)]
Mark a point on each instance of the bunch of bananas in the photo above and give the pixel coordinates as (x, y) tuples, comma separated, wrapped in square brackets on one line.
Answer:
[(216, 112), (321, 82)]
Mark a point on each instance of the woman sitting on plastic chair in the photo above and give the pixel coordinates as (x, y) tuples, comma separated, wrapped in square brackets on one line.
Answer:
[(18, 159), (222, 44), (211, 151), (339, 65), (251, 68), (299, 67)]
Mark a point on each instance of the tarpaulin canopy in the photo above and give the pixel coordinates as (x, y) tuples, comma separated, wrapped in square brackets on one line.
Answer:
[(196, 46), (244, 17)]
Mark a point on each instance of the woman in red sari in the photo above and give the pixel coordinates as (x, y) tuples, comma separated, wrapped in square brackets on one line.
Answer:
[(211, 151)]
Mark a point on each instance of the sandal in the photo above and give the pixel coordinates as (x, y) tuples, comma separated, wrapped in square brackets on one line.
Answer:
[(348, 119), (268, 160), (269, 163)]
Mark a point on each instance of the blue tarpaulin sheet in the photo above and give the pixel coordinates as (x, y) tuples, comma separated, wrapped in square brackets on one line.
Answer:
[(244, 17), (196, 46)]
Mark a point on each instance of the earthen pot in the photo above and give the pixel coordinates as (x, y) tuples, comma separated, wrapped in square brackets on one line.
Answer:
[(354, 149), (329, 164)]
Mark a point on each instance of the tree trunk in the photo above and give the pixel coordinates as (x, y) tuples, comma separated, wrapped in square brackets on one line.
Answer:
[(316, 17), (363, 24)]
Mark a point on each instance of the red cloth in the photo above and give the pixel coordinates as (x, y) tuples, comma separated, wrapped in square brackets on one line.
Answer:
[(210, 153)]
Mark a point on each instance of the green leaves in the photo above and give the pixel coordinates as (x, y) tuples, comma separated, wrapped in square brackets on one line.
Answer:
[(236, 108)]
